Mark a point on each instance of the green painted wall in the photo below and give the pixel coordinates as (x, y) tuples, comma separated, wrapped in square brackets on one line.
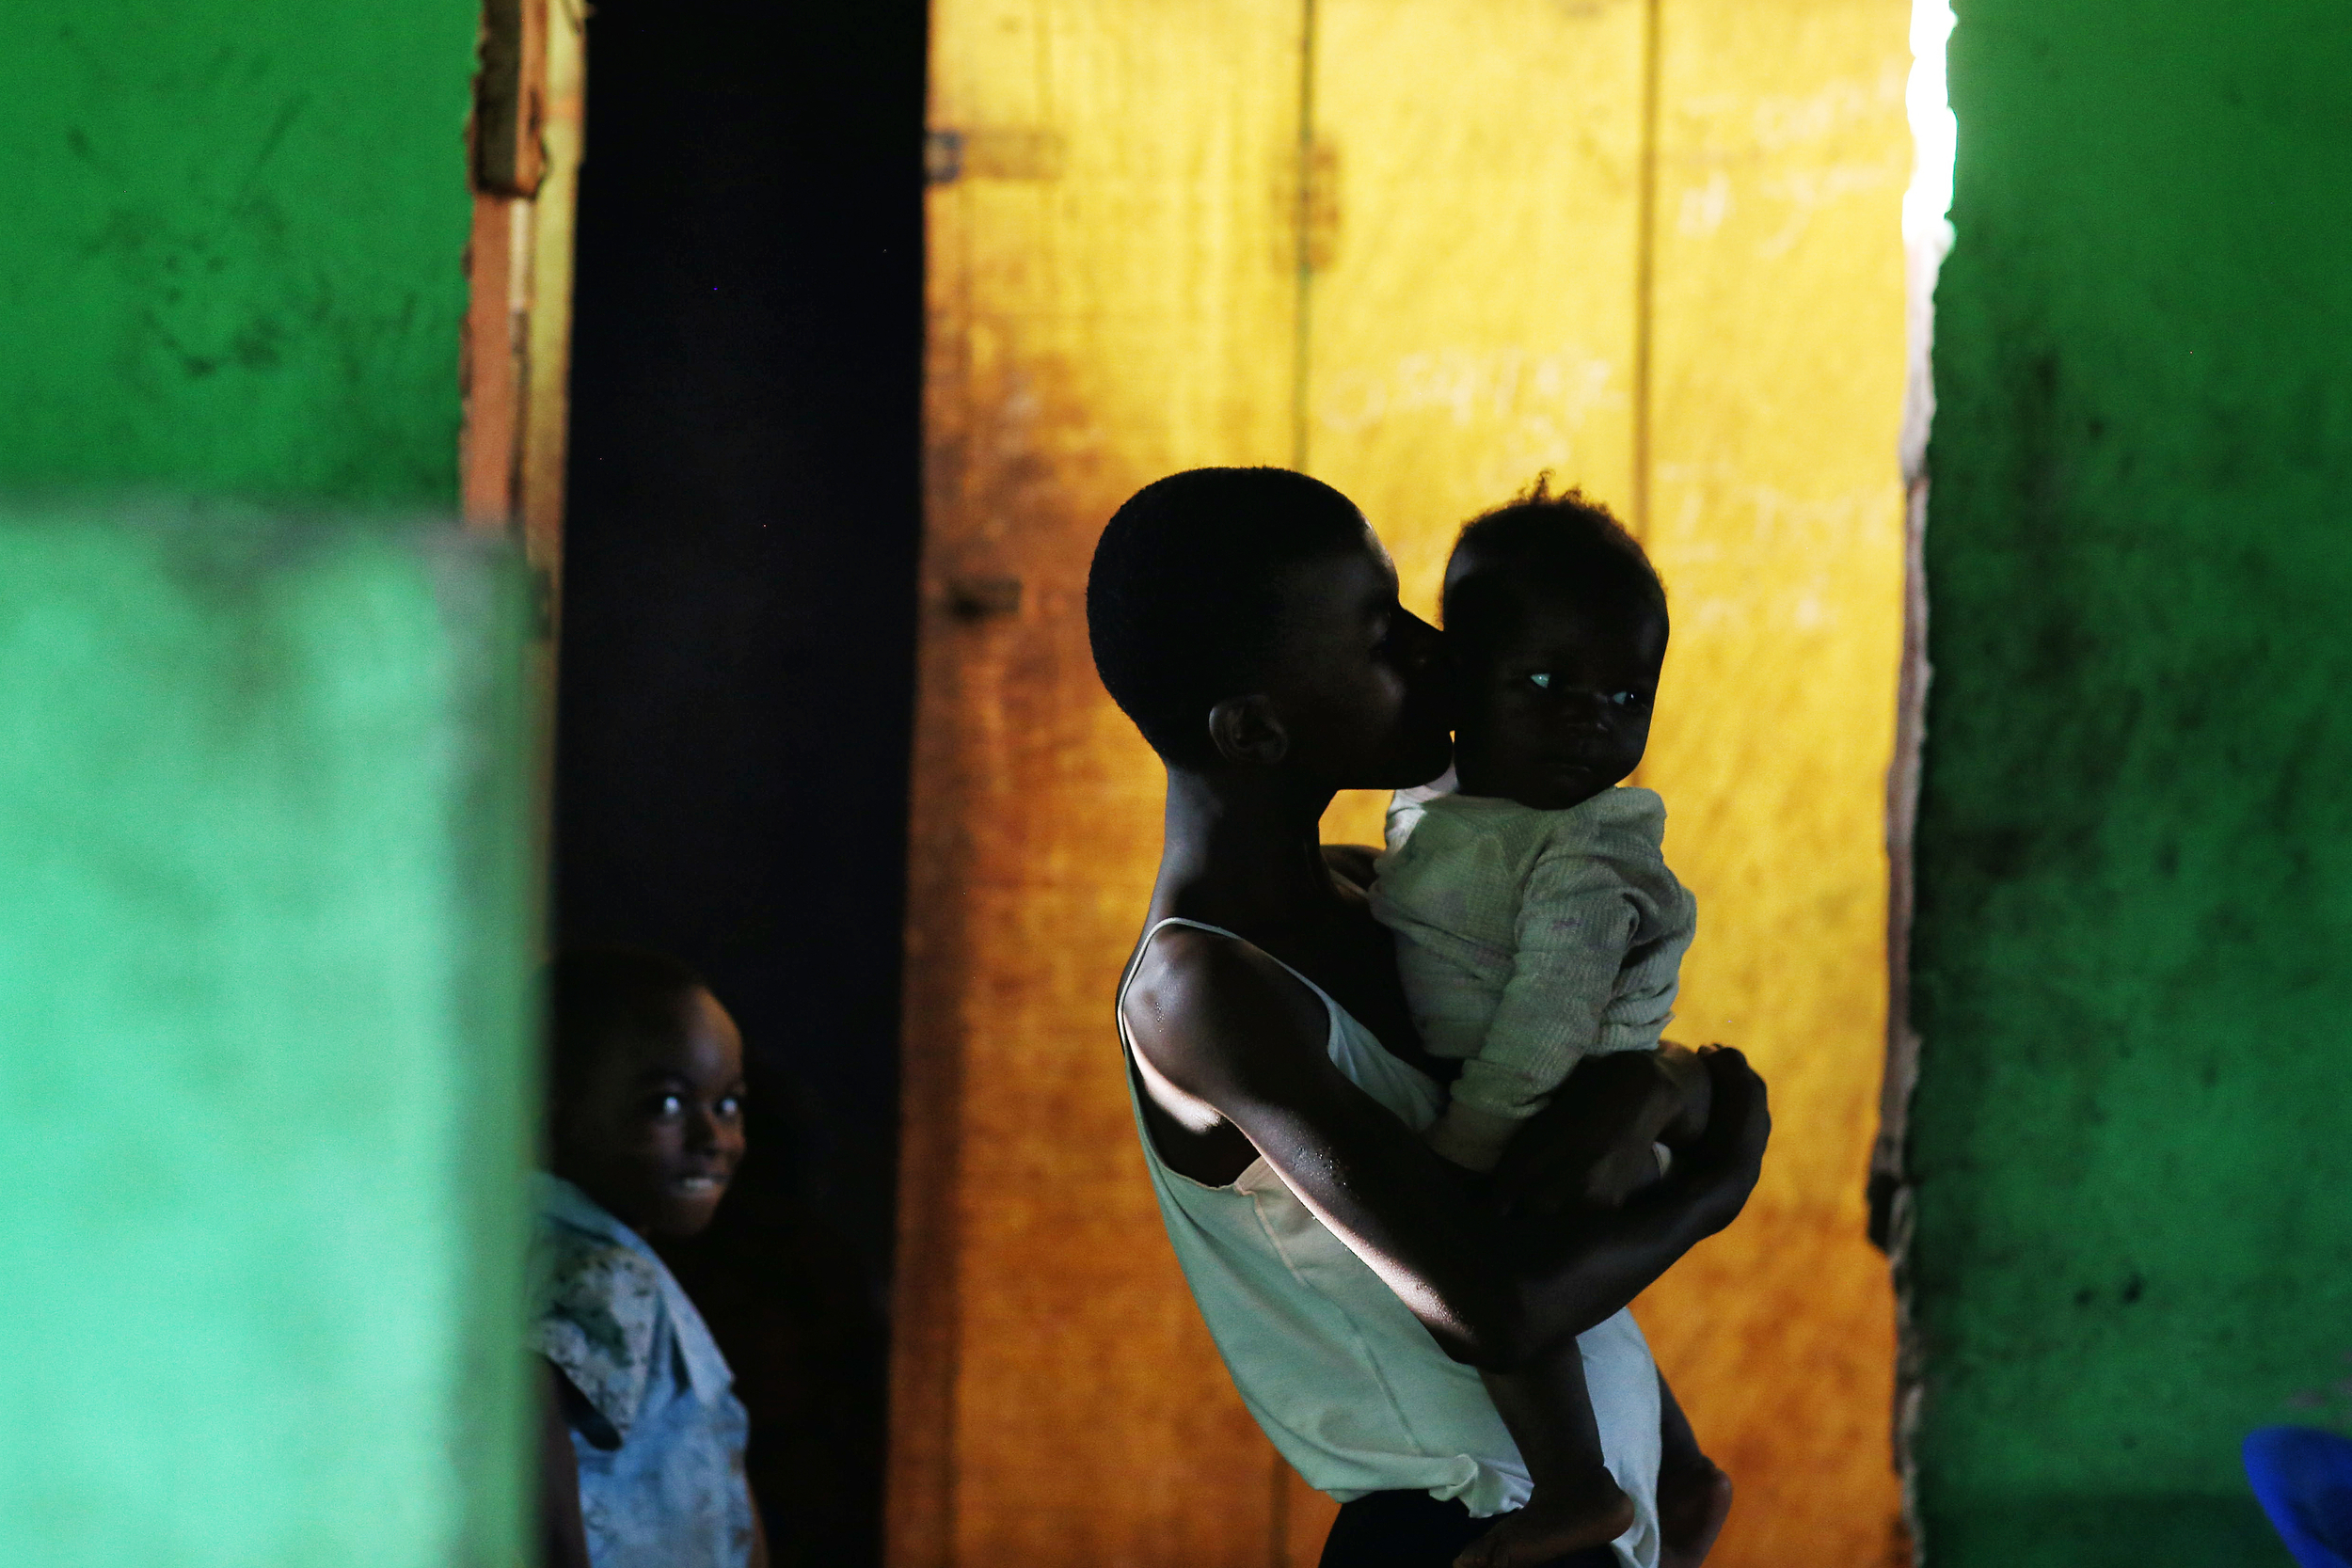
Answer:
[(267, 911), (264, 1026), (2134, 1237), (233, 258)]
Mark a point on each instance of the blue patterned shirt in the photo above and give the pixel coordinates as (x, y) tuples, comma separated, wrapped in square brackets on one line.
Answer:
[(661, 1446)]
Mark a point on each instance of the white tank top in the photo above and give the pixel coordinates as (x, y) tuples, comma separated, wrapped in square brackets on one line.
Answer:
[(1345, 1381)]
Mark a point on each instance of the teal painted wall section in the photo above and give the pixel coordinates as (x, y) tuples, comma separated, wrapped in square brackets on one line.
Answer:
[(2133, 1236), (267, 920), (234, 246), (265, 1027)]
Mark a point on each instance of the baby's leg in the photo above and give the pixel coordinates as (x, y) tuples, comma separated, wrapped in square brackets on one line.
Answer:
[(1577, 1503), (1693, 1495)]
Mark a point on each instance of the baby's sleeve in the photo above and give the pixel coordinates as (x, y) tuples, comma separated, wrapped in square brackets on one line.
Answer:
[(1577, 921)]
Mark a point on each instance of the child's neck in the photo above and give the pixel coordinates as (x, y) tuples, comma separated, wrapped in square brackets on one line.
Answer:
[(612, 1203), (1246, 847)]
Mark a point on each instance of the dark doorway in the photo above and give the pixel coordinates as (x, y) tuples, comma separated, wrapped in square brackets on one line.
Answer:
[(738, 657)]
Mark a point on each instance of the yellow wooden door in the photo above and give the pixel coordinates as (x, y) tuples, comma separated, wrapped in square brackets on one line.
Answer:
[(1425, 249), (1109, 300), (1776, 515)]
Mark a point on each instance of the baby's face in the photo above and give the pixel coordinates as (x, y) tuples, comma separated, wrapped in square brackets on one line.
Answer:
[(1557, 708), (656, 1130)]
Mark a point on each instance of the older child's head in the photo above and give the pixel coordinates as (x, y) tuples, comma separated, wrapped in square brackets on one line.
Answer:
[(1557, 625), (1247, 618), (645, 1088)]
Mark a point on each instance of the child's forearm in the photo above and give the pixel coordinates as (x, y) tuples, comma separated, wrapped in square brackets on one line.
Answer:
[(759, 1532), (562, 1535), (1575, 1271)]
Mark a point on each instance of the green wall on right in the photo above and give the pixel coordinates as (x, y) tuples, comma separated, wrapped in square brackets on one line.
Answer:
[(2131, 1179)]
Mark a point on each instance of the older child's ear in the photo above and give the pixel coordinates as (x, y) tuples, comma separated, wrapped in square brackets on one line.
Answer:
[(1245, 729)]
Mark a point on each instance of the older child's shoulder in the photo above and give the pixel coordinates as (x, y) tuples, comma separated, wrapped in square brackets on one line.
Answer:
[(598, 1313)]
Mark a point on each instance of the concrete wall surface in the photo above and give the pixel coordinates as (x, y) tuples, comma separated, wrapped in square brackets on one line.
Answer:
[(266, 911), (234, 248), (2133, 1241), (264, 1031)]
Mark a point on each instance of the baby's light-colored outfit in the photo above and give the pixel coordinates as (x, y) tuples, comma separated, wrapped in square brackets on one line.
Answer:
[(1529, 940)]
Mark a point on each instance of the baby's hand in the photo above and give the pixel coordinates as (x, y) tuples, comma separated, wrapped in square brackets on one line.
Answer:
[(1627, 1167), (1696, 1090), (1591, 1146)]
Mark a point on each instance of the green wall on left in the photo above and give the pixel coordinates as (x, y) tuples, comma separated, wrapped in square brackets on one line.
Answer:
[(268, 915), (235, 246), (266, 1041)]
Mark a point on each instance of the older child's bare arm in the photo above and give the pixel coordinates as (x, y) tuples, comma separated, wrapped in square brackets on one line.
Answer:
[(759, 1532), (1215, 1025), (563, 1536)]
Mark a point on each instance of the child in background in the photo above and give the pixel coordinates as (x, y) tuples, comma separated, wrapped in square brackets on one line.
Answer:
[(642, 1437), (1537, 926)]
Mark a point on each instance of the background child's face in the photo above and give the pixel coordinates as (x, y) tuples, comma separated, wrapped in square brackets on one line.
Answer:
[(656, 1129), (1556, 709), (1358, 678)]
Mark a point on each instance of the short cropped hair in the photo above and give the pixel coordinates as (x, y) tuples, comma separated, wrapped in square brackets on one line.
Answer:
[(1182, 608), (598, 995), (1568, 541)]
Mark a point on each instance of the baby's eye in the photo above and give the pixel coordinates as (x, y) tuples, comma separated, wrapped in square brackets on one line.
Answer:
[(668, 1105), (729, 1106), (1540, 681)]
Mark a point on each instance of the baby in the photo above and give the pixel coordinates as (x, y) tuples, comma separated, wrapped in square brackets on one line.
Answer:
[(643, 1440), (1537, 926)]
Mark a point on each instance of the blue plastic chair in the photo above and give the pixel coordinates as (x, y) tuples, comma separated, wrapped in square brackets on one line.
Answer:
[(2304, 1480)]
